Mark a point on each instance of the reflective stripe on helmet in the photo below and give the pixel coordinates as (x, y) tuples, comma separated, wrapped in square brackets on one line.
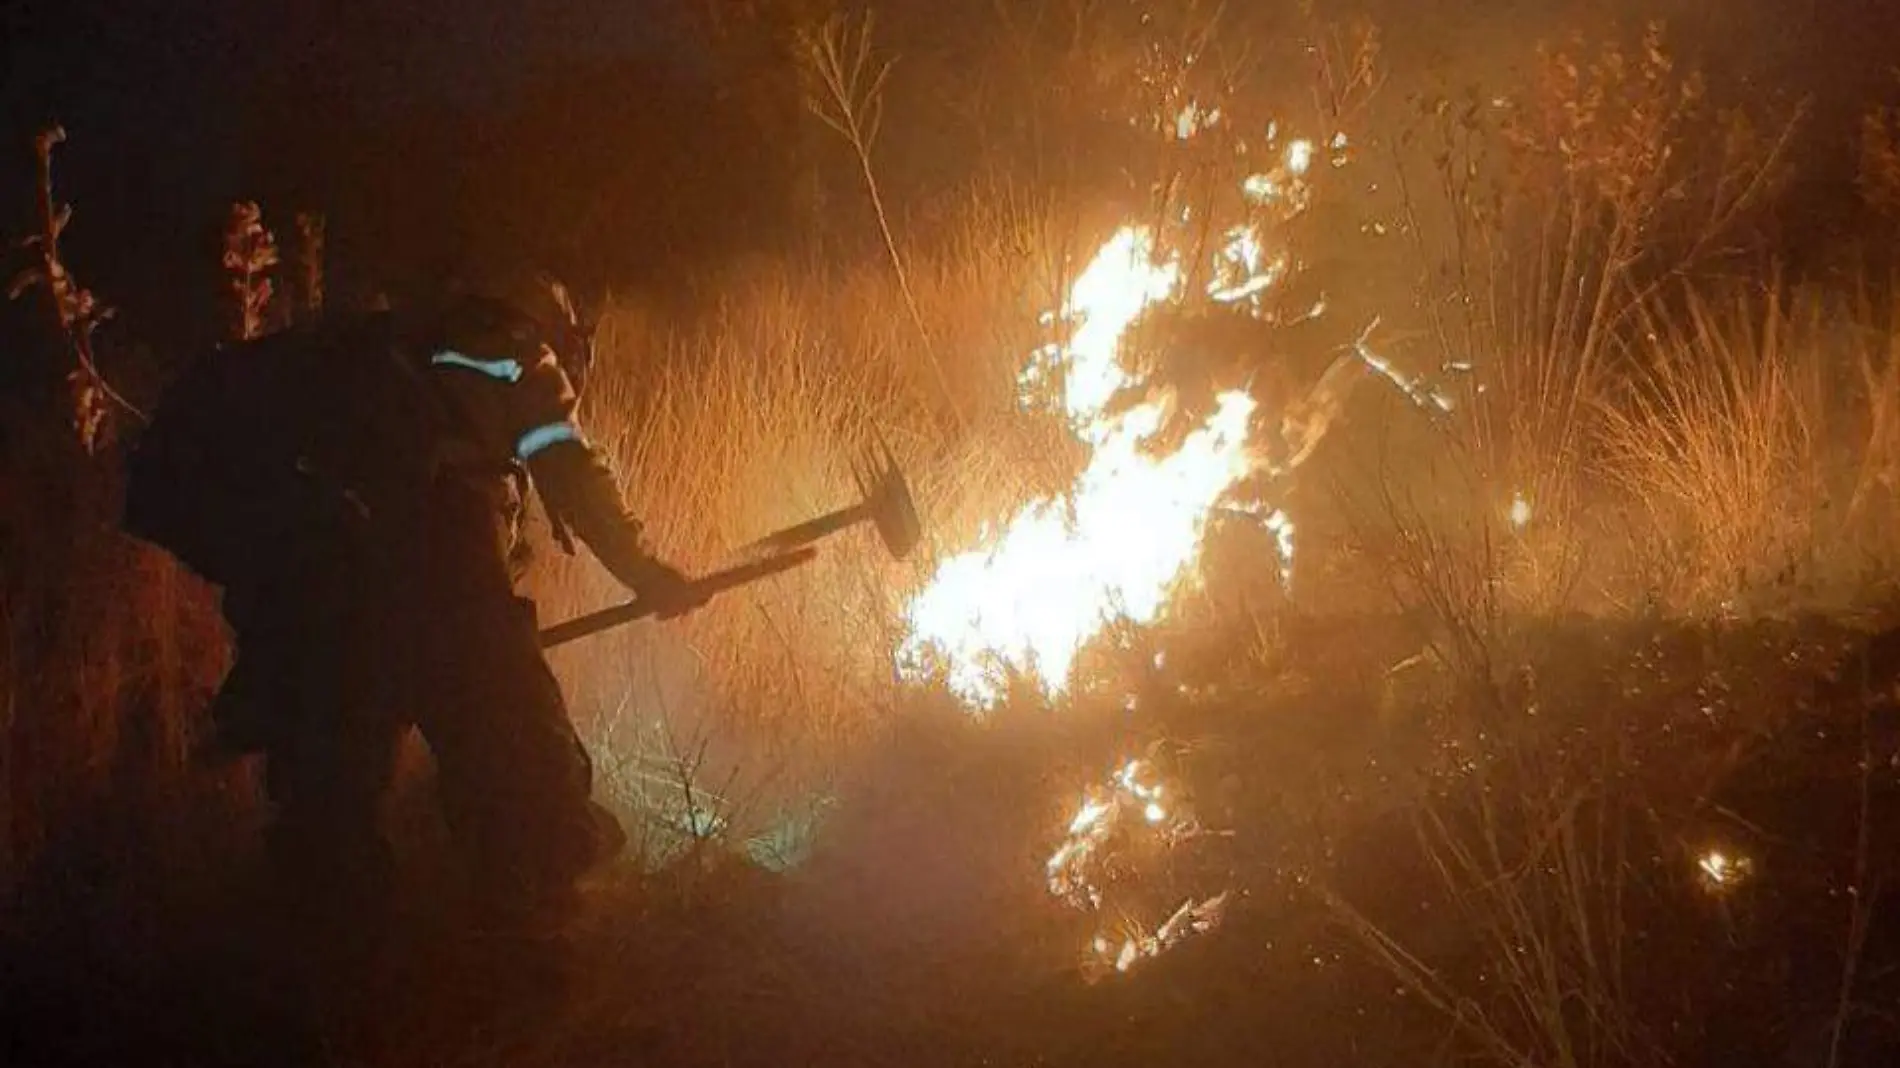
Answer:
[(543, 436), (505, 370)]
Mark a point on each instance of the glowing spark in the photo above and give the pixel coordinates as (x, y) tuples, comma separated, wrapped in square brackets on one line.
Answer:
[(1260, 188), (1299, 156), (1520, 512), (1721, 871), (1192, 120)]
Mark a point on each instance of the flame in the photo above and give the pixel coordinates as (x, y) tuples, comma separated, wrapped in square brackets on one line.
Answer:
[(1193, 118), (1114, 826), (1521, 512), (1299, 156), (1029, 599), (1027, 603), (1127, 534), (1723, 871), (1238, 268)]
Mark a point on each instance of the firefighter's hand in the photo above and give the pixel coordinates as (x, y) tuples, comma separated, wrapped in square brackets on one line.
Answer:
[(668, 590)]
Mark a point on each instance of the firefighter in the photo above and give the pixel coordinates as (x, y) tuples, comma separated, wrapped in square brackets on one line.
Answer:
[(355, 489)]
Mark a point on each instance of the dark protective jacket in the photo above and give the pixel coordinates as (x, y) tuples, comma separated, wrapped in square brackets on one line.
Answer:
[(338, 435), (509, 411)]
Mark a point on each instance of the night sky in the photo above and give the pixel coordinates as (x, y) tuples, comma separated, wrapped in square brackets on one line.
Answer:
[(179, 70), (176, 107)]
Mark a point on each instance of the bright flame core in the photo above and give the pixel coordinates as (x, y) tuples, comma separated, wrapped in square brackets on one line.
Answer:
[(1120, 541)]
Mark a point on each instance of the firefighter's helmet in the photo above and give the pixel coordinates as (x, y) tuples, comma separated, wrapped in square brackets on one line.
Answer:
[(513, 316)]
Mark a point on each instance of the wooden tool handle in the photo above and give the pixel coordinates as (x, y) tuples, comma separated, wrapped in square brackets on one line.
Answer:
[(706, 586)]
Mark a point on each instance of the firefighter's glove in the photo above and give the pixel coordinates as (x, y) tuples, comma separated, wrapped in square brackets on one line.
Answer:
[(668, 590)]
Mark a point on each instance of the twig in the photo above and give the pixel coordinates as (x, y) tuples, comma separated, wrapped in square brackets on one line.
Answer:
[(74, 309), (310, 249), (1862, 895), (852, 105)]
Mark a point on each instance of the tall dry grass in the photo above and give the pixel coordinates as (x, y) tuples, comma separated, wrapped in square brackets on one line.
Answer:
[(1636, 434), (748, 419), (1756, 436)]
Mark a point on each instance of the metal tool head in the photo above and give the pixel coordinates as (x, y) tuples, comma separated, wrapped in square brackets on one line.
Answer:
[(887, 501)]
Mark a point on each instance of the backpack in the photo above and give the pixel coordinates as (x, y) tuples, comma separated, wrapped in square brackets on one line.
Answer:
[(311, 436)]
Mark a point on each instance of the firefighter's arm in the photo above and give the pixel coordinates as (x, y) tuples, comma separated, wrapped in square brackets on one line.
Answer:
[(577, 484)]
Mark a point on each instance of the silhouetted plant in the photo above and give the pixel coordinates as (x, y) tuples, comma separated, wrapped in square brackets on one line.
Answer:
[(75, 310), (250, 252), (309, 263)]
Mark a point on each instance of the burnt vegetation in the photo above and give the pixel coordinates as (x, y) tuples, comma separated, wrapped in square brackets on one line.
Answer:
[(1551, 722)]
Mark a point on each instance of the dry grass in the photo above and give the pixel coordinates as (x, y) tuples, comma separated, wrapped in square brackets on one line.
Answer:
[(1748, 461), (1754, 444), (1538, 878), (747, 420), (1718, 436), (1683, 446)]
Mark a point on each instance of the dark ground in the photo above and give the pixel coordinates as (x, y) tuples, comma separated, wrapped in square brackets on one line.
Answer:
[(919, 933)]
